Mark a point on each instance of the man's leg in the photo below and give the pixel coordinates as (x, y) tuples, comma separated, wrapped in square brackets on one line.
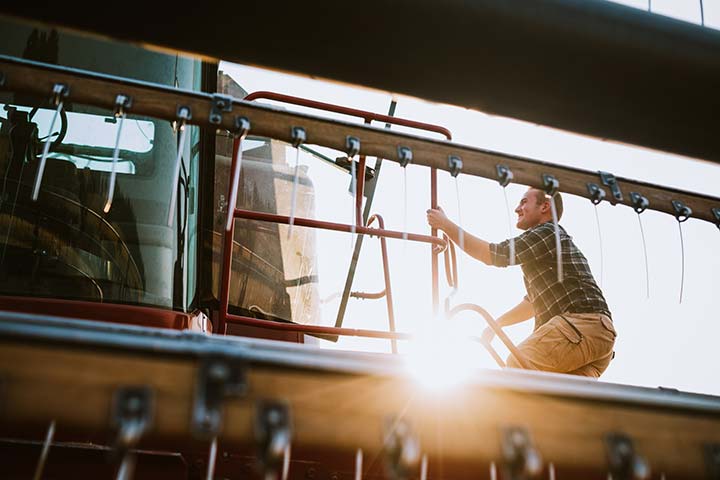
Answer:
[(578, 344)]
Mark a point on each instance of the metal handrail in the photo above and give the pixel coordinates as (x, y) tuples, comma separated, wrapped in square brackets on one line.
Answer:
[(386, 274), (496, 328), (368, 117)]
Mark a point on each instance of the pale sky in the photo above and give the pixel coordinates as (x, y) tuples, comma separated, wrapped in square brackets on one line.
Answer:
[(661, 342)]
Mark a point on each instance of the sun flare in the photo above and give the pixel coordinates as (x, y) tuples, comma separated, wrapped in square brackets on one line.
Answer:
[(439, 360)]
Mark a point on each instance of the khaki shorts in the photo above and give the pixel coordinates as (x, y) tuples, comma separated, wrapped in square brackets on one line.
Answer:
[(574, 343)]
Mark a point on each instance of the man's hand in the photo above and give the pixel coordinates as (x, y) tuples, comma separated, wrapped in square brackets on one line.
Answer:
[(436, 218), (488, 335)]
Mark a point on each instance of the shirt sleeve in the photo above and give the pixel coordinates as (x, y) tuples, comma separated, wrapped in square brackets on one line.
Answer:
[(537, 244)]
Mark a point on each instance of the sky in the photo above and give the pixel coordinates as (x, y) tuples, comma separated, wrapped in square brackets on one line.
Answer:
[(661, 341)]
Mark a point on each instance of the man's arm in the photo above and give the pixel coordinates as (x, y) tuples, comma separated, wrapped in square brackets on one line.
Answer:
[(519, 313), (473, 246)]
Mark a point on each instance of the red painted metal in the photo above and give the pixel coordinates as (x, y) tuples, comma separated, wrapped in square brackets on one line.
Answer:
[(451, 271), (339, 227), (295, 327), (365, 115), (368, 296), (227, 253), (495, 327), (433, 253), (386, 273), (106, 312), (225, 317)]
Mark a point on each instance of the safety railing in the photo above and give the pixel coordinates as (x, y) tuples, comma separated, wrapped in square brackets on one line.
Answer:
[(358, 227)]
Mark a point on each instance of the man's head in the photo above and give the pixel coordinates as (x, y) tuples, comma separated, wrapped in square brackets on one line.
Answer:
[(534, 208)]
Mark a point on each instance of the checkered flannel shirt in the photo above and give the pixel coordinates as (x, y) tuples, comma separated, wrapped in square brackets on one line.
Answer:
[(535, 252)]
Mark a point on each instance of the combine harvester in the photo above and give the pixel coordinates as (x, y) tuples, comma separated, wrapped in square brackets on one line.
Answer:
[(148, 326)]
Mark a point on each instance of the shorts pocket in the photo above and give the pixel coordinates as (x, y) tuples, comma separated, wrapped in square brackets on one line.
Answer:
[(608, 325), (568, 330)]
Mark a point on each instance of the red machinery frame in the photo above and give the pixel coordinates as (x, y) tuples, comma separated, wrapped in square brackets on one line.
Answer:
[(225, 317)]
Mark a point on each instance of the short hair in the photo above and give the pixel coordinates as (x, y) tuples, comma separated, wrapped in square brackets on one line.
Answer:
[(542, 196)]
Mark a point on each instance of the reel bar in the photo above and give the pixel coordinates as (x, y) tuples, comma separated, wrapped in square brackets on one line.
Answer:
[(162, 102)]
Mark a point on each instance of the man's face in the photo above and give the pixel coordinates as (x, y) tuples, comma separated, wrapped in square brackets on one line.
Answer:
[(531, 211)]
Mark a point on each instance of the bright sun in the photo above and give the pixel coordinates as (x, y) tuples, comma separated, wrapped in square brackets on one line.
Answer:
[(440, 360)]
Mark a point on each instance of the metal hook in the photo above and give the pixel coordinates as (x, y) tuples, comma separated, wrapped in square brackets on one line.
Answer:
[(241, 129), (682, 213), (455, 165), (273, 434), (402, 448), (639, 202), (405, 156), (212, 458), (623, 461), (358, 464), (424, 467), (597, 194), (122, 104), (298, 136), (60, 92), (552, 185), (44, 453), (352, 146), (133, 416), (522, 459), (609, 180), (183, 116), (504, 174)]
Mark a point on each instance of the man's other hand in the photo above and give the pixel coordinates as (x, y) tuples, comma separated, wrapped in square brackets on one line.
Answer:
[(436, 218)]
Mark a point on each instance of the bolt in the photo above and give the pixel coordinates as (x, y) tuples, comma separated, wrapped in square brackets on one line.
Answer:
[(218, 372), (310, 473)]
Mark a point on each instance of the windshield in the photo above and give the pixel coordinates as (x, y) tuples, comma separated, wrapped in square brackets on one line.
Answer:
[(64, 244)]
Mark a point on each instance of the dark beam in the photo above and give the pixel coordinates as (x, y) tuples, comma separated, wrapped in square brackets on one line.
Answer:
[(588, 66)]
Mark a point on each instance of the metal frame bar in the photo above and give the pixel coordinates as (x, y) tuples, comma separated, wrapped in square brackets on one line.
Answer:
[(339, 227), (161, 102), (386, 274), (153, 342), (495, 327), (369, 117)]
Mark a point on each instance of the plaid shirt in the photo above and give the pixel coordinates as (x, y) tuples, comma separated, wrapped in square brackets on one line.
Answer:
[(535, 252)]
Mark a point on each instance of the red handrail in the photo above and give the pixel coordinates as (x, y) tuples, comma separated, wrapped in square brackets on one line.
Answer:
[(365, 115), (386, 274), (495, 328), (339, 227), (224, 317)]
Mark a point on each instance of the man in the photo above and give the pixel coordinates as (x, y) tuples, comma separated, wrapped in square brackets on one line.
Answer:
[(573, 330)]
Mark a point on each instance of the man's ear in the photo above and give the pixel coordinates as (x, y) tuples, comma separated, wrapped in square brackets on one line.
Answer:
[(545, 206)]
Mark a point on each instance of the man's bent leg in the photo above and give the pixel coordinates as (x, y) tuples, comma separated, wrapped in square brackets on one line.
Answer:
[(537, 350), (579, 344)]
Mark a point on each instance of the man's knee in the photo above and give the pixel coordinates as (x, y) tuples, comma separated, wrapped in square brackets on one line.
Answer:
[(512, 362)]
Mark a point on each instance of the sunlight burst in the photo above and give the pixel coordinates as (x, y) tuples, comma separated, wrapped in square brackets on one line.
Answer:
[(440, 360)]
